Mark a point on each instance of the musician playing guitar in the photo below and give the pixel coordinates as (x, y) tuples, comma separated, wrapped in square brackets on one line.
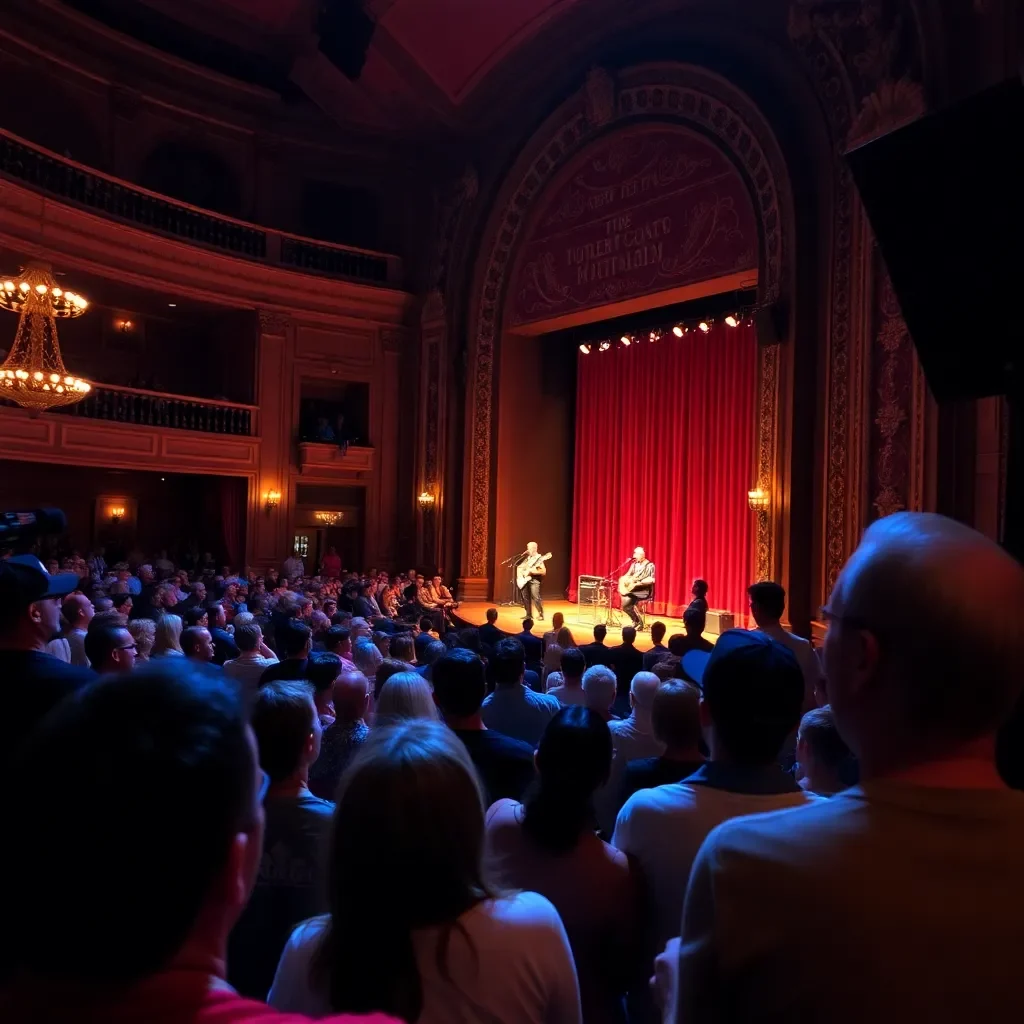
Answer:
[(637, 584), (528, 575)]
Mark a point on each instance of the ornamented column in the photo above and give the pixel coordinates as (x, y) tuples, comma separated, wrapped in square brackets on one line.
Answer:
[(430, 471), (268, 544)]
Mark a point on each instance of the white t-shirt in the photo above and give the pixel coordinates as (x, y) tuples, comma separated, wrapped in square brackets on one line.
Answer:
[(247, 670), (517, 968), (662, 829), (76, 641), (568, 694)]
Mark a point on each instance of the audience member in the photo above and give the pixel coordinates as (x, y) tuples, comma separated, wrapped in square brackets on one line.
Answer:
[(675, 721), (402, 648), (254, 656), (224, 645), (552, 663), (405, 695), (388, 667), (489, 632), (322, 671), (533, 646), (505, 765), (78, 612), (166, 787), (110, 648), (197, 644), (767, 605), (922, 661), (433, 651), (195, 616), (570, 690), (699, 592), (342, 739), (34, 681), (597, 652), (143, 632), (669, 667), (658, 649), (338, 640), (367, 658), (547, 845), (167, 642), (753, 692), (626, 660), (513, 708), (824, 763), (294, 643), (427, 935), (632, 738), (599, 690), (290, 886)]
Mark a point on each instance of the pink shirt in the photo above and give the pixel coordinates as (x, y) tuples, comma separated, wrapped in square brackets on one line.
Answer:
[(594, 893)]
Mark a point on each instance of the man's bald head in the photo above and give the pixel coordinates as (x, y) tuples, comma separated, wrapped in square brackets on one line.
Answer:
[(642, 690), (350, 697), (78, 610), (926, 636)]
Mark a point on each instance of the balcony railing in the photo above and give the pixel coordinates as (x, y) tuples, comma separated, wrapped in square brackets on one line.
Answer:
[(156, 409), (74, 183)]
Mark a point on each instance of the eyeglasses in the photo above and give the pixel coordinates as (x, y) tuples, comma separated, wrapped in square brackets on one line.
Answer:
[(264, 787), (127, 647)]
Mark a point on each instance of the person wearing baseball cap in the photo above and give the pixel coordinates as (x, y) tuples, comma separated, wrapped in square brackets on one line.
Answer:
[(31, 680), (752, 696)]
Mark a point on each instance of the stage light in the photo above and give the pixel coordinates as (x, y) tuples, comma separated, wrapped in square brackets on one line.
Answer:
[(704, 327), (585, 349), (679, 330), (626, 340), (604, 346), (732, 320), (654, 336)]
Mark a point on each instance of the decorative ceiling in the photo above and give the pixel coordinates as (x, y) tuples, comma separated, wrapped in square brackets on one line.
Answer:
[(424, 61)]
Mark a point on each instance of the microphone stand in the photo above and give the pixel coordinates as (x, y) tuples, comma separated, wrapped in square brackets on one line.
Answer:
[(511, 564), (612, 580)]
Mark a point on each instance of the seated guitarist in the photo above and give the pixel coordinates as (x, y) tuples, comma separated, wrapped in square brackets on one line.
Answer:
[(534, 565), (641, 572)]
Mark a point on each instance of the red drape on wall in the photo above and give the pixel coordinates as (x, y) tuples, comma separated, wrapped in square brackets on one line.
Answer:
[(232, 517), (665, 455)]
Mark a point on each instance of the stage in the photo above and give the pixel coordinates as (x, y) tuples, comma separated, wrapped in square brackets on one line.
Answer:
[(510, 620)]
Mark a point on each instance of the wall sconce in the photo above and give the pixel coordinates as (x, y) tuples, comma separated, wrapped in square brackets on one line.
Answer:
[(329, 518), (117, 514), (759, 501), (124, 326), (426, 500), (273, 499)]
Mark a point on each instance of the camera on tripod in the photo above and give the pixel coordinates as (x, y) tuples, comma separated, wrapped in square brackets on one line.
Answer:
[(19, 530)]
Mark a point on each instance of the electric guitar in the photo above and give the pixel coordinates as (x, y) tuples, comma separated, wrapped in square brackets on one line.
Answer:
[(524, 572)]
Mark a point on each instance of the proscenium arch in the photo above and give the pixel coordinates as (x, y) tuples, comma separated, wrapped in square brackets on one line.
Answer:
[(673, 93)]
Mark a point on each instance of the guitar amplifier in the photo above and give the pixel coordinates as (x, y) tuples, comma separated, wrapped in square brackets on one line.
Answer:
[(589, 590), (719, 621)]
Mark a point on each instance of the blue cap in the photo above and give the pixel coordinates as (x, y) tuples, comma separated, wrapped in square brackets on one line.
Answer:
[(746, 651)]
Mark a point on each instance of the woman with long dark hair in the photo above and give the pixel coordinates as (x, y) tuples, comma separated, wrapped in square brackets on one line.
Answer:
[(548, 844), (413, 929)]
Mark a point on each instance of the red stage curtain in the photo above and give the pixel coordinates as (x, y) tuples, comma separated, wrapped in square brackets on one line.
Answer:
[(232, 518), (665, 443)]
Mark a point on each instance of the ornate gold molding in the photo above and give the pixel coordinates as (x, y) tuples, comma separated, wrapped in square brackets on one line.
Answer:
[(679, 93), (767, 434)]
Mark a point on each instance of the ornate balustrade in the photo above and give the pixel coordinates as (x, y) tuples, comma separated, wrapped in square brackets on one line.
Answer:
[(157, 409), (72, 182)]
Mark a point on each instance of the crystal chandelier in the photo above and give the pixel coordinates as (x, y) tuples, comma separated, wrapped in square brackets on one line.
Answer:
[(33, 375)]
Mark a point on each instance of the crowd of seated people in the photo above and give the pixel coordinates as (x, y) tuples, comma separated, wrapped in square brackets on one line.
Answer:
[(365, 818)]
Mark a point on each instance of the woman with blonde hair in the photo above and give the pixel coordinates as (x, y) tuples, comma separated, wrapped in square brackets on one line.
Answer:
[(405, 695), (367, 658), (430, 943), (167, 638), (552, 663), (143, 632)]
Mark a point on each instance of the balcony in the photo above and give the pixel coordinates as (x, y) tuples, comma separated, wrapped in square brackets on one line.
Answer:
[(134, 429), (46, 172), (330, 460)]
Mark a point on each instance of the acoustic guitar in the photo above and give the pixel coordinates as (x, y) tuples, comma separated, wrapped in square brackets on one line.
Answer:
[(627, 584), (525, 572)]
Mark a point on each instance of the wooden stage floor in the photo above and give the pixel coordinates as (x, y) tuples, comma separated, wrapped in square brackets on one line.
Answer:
[(510, 620)]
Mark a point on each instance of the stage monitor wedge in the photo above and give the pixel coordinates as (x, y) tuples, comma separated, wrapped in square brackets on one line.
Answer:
[(945, 197)]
